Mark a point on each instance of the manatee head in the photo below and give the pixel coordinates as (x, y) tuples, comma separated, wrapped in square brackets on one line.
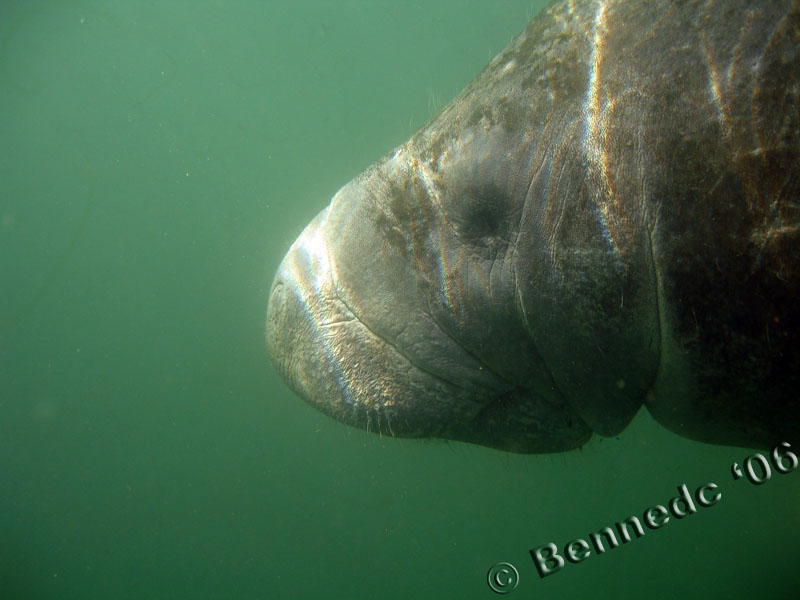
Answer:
[(397, 310), (458, 287), (606, 217)]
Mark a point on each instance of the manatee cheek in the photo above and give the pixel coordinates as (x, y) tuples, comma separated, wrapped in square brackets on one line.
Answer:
[(427, 343)]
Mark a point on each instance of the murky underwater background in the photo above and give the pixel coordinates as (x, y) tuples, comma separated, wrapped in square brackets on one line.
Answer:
[(157, 160)]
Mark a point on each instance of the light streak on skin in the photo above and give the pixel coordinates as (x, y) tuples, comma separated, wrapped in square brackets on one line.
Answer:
[(719, 84), (760, 135), (438, 223), (715, 87), (310, 255), (596, 117), (409, 167), (724, 83), (592, 109), (314, 247)]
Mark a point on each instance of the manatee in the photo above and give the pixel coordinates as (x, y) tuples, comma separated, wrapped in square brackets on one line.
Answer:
[(606, 217)]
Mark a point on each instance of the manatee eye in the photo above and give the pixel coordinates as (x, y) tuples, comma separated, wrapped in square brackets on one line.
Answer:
[(485, 220), (482, 217)]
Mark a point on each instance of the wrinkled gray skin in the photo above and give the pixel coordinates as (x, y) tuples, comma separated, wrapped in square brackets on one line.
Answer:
[(607, 216)]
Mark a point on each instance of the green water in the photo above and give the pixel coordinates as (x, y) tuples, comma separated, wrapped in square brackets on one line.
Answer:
[(157, 160)]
